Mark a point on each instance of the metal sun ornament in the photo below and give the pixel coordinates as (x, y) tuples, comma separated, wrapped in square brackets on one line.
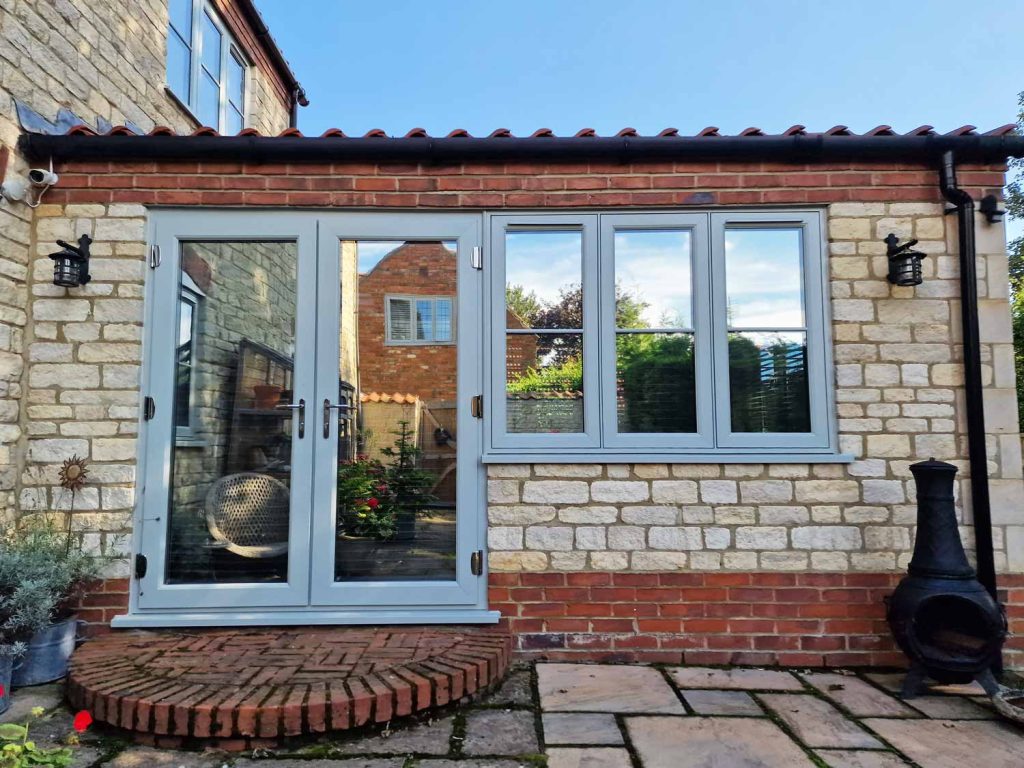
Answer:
[(73, 473)]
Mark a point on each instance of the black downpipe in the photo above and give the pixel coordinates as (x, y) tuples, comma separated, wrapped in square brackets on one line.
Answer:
[(976, 450)]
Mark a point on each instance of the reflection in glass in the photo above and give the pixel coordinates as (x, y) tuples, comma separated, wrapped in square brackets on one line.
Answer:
[(652, 279), (211, 47), (209, 101), (655, 382), (230, 483), (544, 278), (544, 384), (764, 278), (180, 14), (396, 481), (768, 382)]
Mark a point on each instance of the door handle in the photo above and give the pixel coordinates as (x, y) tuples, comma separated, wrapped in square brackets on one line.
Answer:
[(301, 408), (339, 407)]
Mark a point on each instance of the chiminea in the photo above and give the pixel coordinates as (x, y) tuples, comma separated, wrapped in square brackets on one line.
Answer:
[(941, 616)]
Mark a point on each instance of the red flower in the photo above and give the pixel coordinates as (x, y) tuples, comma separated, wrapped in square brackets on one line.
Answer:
[(82, 721), (3, 691), (372, 503), (382, 487)]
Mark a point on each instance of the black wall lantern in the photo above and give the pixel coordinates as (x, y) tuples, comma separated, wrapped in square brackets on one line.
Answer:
[(904, 264), (71, 265)]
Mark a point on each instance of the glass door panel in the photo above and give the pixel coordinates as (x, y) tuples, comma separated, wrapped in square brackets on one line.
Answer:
[(396, 527), (228, 459)]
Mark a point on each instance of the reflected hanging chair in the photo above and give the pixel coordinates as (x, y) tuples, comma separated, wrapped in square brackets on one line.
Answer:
[(248, 513)]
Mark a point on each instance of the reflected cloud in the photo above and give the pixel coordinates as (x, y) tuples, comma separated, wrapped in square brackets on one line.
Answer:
[(764, 278), (654, 268), (543, 263)]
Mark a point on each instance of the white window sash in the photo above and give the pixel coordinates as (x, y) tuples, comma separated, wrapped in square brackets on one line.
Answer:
[(409, 300), (229, 49)]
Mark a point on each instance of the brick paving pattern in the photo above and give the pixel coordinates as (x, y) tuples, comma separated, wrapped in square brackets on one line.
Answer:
[(739, 718), (236, 686)]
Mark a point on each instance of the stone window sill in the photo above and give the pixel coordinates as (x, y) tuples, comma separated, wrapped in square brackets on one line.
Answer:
[(612, 457)]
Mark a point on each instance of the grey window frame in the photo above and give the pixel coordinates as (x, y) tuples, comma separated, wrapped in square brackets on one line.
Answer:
[(697, 225), (821, 436), (412, 298), (230, 49), (714, 440), (496, 424)]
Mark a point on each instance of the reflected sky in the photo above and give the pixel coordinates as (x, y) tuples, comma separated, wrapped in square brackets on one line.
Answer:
[(543, 263), (654, 267), (370, 252), (764, 278)]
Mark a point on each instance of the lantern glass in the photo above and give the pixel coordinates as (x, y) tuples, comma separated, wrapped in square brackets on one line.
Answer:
[(66, 272), (905, 269)]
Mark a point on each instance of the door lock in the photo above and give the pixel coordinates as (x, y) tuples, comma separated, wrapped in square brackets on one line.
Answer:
[(339, 407), (301, 408)]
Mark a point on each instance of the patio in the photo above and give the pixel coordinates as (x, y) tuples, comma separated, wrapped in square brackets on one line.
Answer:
[(607, 716)]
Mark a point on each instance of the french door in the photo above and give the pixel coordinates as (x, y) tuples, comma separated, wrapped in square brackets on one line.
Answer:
[(308, 451)]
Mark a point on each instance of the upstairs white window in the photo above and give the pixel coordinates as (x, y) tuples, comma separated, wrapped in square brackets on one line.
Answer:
[(419, 320), (656, 336), (206, 70)]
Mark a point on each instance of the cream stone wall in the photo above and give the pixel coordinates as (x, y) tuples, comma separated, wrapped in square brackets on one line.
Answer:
[(898, 384), (899, 395), (98, 58)]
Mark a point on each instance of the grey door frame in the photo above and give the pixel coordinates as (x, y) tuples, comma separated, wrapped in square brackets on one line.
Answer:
[(153, 603)]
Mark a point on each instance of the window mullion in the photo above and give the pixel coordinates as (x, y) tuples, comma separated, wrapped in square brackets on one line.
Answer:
[(196, 70)]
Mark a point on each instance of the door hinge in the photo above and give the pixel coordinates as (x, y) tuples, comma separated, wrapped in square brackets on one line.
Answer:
[(148, 408), (140, 566), (477, 406), (154, 256), (477, 258), (476, 563)]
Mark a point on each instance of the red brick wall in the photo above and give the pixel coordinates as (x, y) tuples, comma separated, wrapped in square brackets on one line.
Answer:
[(788, 619), (505, 185)]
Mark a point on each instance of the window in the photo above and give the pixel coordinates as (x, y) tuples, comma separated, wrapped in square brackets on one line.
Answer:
[(205, 67), (659, 335), (186, 359), (419, 320)]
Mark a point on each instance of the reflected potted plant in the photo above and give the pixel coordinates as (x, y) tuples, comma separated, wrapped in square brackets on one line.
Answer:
[(378, 501)]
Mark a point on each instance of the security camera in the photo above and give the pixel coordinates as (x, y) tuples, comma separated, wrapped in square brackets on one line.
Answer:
[(42, 178)]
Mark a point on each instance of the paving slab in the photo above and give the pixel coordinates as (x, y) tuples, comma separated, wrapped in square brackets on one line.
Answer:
[(817, 723), (892, 681), (432, 738), (500, 732), (735, 679), (605, 688), (592, 757), (951, 708), (351, 762), (146, 757), (713, 742), (517, 690), (480, 763), (589, 728), (954, 743), (722, 703), (849, 758), (24, 700), (858, 697)]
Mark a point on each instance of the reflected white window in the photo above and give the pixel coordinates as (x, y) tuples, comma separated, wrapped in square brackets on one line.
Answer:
[(206, 69), (186, 412), (419, 320)]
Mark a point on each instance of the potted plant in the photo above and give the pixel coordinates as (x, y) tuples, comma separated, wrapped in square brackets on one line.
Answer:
[(42, 577)]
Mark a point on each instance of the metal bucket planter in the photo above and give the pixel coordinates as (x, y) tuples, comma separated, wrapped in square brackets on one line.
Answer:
[(6, 665), (47, 656)]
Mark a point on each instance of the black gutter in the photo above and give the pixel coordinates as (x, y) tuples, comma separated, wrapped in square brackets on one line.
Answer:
[(296, 94), (807, 148), (974, 405)]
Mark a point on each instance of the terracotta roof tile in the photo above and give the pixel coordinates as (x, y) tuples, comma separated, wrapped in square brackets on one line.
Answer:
[(500, 133), (332, 133), (711, 130), (881, 130), (963, 130), (795, 130), (375, 133), (586, 133), (668, 132), (417, 133), (627, 132), (1003, 130), (459, 133), (543, 133)]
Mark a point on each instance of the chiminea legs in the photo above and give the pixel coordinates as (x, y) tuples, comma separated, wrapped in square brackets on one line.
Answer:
[(913, 684)]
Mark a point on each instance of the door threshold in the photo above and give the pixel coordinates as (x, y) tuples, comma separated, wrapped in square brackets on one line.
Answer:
[(223, 618)]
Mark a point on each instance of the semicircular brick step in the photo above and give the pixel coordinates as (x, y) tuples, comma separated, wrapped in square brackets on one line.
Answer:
[(235, 687)]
